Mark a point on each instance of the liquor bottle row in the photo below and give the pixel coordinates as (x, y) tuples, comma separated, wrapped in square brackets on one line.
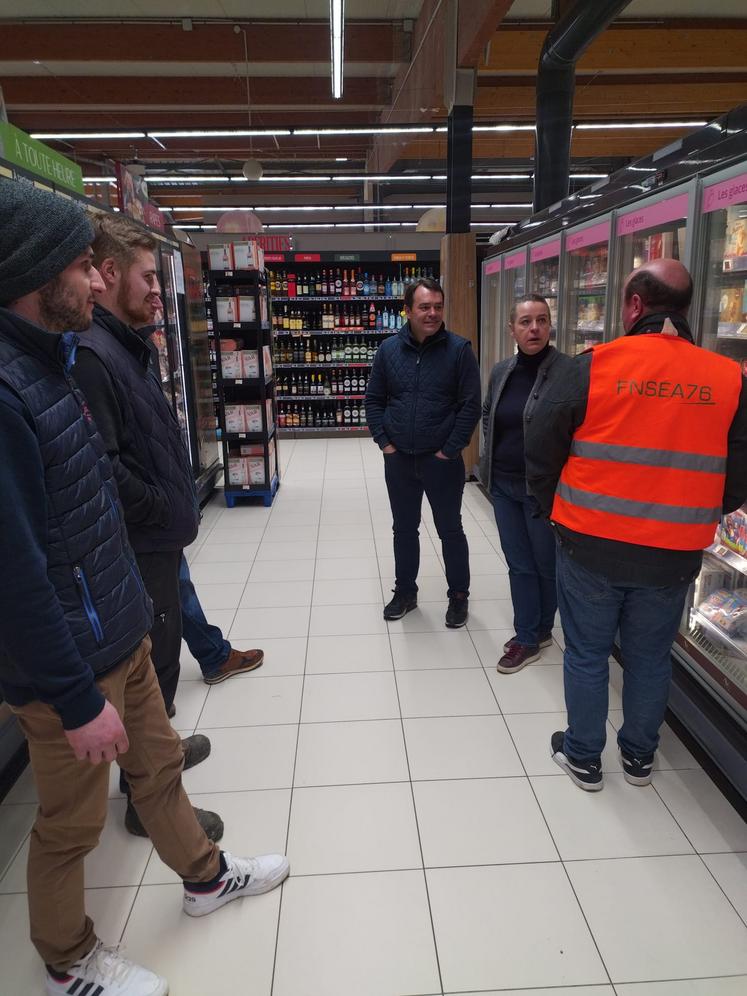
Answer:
[(307, 350), (324, 385), (297, 416), (336, 282), (329, 318)]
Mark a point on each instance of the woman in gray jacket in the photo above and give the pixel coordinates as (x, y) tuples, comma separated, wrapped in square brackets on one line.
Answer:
[(526, 537)]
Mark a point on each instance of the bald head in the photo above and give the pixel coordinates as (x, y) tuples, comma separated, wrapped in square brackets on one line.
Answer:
[(659, 286)]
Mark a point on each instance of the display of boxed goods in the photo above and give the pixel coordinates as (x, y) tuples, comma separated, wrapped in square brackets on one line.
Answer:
[(245, 418), (726, 609), (733, 531), (239, 363), (239, 308), (237, 256), (267, 360), (246, 471)]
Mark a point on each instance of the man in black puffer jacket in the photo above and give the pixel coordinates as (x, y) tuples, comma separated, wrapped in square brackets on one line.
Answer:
[(75, 663), (422, 406), (144, 443)]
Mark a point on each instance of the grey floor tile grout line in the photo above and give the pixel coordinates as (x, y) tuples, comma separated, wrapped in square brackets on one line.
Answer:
[(295, 759), (412, 796)]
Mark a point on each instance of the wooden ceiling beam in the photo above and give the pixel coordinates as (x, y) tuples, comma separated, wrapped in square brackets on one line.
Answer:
[(190, 91), (266, 42), (627, 49)]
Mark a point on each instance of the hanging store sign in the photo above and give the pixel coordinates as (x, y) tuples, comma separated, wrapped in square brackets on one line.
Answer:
[(307, 257), (404, 257), (134, 201), (19, 149)]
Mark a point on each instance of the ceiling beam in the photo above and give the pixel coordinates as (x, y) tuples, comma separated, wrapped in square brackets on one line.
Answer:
[(306, 41), (627, 49)]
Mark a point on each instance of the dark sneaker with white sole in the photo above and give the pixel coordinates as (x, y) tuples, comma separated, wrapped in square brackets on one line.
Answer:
[(636, 772), (400, 605), (237, 877), (543, 643), (586, 774), (457, 612), (210, 822), (517, 656)]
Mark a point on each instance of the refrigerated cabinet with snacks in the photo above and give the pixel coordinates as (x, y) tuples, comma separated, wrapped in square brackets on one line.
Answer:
[(714, 634), (586, 273), (657, 228), (544, 278), (490, 324), (514, 286)]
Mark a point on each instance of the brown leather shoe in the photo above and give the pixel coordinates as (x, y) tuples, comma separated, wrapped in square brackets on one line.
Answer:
[(237, 662)]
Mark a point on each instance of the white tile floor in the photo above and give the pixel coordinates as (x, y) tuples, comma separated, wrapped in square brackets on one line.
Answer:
[(434, 847)]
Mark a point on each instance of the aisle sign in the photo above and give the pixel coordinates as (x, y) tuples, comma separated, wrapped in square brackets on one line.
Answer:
[(516, 259), (20, 149), (723, 194), (307, 257), (653, 216), (548, 250), (404, 257), (588, 236), (494, 266), (347, 257)]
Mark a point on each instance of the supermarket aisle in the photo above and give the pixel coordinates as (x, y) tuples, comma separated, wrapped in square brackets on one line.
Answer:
[(434, 846)]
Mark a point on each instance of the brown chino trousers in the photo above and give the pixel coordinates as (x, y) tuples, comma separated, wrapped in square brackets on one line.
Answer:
[(73, 807)]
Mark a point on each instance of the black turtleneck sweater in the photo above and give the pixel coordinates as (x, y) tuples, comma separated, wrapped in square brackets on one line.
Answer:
[(508, 432)]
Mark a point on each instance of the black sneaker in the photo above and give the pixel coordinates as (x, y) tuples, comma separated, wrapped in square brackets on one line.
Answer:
[(211, 823), (196, 748), (586, 774), (457, 612), (516, 657), (636, 772), (543, 643), (400, 605), (171, 711)]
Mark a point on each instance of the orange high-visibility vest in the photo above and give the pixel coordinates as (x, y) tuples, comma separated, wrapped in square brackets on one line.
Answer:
[(648, 464)]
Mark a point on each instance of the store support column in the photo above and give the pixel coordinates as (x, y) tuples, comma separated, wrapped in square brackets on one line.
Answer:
[(458, 246)]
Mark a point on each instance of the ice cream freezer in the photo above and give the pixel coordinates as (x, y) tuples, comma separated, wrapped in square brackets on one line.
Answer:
[(686, 202)]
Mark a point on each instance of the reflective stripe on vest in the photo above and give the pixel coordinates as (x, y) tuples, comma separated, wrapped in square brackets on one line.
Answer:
[(647, 466)]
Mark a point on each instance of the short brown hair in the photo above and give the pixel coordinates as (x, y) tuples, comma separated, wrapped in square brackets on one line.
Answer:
[(528, 299), (432, 285), (119, 239)]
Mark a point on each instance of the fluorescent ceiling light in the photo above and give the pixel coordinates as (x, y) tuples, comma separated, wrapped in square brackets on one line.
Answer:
[(341, 159), (100, 179), (220, 133), (502, 127), (65, 135), (295, 179), (372, 130), (500, 176), (615, 125), (188, 179), (336, 41), (379, 177), (589, 176)]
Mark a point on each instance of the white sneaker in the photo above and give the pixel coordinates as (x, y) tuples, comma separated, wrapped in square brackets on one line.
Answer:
[(104, 972), (242, 877)]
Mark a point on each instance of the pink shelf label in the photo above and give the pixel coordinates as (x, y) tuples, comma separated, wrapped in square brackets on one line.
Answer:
[(517, 259), (494, 266), (588, 236), (546, 251), (721, 195), (654, 215)]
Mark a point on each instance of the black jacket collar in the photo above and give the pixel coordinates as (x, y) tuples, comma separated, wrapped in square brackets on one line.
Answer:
[(33, 339), (405, 334), (124, 334), (654, 323)]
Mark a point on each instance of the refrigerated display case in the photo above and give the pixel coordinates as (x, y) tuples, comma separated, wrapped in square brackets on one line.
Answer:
[(714, 631), (586, 278), (544, 278), (657, 228), (490, 320), (513, 286)]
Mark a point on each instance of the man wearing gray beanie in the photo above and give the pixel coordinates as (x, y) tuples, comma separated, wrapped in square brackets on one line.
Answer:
[(75, 662)]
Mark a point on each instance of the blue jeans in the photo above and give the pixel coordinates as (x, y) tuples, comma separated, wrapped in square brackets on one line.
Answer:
[(408, 478), (206, 643), (592, 611), (528, 545)]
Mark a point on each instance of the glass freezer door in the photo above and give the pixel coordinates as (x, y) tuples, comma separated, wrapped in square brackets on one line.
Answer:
[(716, 623), (587, 259), (490, 319), (544, 278), (653, 230), (514, 287)]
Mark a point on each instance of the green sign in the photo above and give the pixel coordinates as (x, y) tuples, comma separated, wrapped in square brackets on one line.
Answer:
[(17, 148)]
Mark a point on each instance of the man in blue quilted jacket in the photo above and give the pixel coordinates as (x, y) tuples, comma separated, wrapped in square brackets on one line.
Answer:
[(422, 406)]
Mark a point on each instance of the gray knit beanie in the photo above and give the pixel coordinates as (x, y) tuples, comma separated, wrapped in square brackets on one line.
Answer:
[(40, 235)]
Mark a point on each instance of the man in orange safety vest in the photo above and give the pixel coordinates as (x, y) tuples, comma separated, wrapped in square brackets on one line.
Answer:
[(634, 456)]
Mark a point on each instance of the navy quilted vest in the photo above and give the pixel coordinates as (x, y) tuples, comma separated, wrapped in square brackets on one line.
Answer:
[(89, 560), (154, 449)]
